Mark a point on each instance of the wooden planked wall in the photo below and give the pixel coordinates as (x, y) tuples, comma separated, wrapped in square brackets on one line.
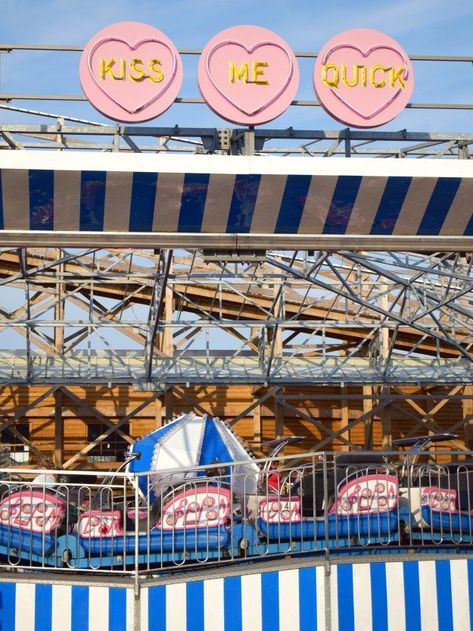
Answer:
[(286, 411)]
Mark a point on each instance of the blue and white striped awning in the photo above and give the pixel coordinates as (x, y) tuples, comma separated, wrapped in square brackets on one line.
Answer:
[(54, 198)]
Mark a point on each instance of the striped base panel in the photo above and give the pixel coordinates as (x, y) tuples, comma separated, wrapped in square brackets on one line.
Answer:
[(430, 595)]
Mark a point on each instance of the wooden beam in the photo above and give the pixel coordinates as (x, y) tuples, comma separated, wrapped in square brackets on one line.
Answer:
[(169, 403), (58, 429), (444, 400), (180, 392), (98, 415), (323, 428), (24, 409), (426, 423), (368, 424), (259, 401), (386, 419), (31, 446), (257, 425), (374, 410), (115, 427), (427, 419), (279, 419), (113, 315), (166, 337), (158, 413)]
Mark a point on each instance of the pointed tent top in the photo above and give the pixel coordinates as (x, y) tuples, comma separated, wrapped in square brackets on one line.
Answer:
[(187, 442)]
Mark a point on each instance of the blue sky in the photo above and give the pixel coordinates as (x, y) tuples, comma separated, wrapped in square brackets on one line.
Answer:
[(422, 27)]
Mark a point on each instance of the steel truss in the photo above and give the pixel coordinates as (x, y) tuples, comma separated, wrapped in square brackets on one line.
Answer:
[(157, 318), (85, 135)]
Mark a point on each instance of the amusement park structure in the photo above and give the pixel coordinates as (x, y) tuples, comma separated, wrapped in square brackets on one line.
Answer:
[(313, 290), (259, 325)]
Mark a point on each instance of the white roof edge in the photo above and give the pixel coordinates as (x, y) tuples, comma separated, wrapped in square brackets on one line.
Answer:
[(213, 164)]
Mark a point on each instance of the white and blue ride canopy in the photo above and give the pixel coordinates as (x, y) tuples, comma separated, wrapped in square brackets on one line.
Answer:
[(172, 451)]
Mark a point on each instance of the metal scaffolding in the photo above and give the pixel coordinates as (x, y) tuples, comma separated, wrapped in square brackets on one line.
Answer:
[(80, 135), (154, 318)]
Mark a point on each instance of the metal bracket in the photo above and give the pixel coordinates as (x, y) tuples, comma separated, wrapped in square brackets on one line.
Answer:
[(220, 140)]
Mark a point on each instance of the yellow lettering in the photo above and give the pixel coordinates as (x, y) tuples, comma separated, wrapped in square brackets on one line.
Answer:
[(333, 82), (395, 75), (234, 73), (354, 81), (155, 66), (137, 70), (136, 65), (258, 72), (106, 68), (122, 76), (373, 81)]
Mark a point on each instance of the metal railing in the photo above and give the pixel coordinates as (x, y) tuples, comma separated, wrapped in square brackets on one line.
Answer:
[(322, 504)]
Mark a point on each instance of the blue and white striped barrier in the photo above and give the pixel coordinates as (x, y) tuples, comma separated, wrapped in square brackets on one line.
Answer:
[(60, 607), (136, 193), (433, 595), (393, 596)]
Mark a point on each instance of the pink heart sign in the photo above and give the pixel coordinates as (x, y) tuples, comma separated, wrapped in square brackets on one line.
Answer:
[(363, 78), (131, 72), (248, 75)]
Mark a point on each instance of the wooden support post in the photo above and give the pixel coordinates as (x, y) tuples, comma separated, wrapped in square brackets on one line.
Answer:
[(368, 425), (387, 440), (58, 429), (158, 413), (257, 427), (168, 403), (166, 341), (384, 303), (279, 418)]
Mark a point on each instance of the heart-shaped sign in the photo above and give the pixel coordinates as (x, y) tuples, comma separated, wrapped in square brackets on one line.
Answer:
[(363, 78), (247, 96), (248, 75), (140, 94), (365, 99), (131, 72)]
